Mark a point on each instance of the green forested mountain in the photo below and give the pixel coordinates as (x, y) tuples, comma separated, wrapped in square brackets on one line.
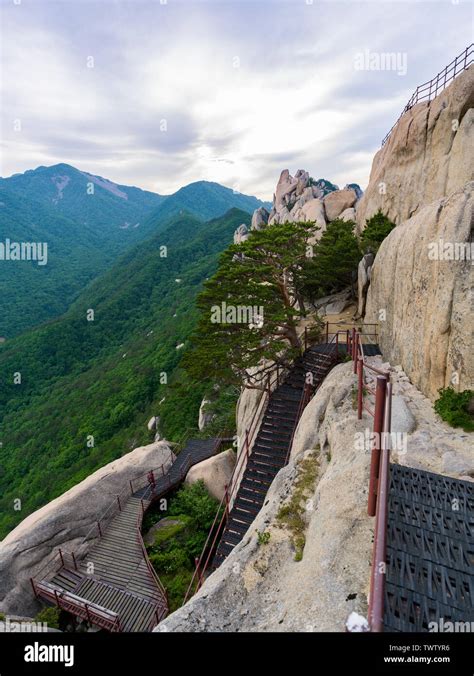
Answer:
[(205, 200), (71, 379), (87, 222)]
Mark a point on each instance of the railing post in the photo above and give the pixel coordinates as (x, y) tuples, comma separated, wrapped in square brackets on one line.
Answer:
[(143, 509), (34, 587), (337, 344), (327, 332), (360, 387), (356, 351), (74, 561), (131, 487), (86, 606), (379, 558), (380, 393), (56, 597), (247, 443), (305, 338), (119, 505), (100, 529), (61, 557), (226, 502), (353, 342)]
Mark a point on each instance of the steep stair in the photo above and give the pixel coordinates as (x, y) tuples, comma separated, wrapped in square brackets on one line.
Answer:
[(114, 578), (272, 445)]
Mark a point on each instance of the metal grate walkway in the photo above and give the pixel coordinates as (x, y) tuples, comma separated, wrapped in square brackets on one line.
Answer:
[(430, 550)]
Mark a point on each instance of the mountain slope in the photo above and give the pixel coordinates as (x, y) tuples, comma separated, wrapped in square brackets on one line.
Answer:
[(87, 222), (89, 200), (101, 379), (205, 200)]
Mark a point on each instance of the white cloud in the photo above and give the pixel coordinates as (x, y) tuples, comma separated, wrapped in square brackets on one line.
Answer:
[(294, 100)]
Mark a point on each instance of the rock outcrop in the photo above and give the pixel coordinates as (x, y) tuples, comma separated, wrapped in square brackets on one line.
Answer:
[(64, 522), (364, 272), (216, 473), (425, 302), (301, 198), (427, 156), (335, 203), (205, 416), (241, 234), (259, 218), (421, 281)]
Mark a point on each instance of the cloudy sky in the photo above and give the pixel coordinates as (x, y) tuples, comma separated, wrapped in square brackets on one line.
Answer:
[(159, 93)]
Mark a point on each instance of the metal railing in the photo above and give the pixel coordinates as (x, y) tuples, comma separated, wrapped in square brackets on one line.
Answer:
[(429, 90), (65, 559), (271, 381), (377, 504), (222, 514), (93, 613)]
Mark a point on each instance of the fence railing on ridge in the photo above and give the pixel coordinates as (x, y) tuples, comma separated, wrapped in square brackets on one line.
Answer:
[(429, 90)]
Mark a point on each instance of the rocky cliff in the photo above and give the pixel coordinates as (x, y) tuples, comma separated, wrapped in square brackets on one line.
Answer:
[(310, 573), (428, 155), (421, 281), (423, 305)]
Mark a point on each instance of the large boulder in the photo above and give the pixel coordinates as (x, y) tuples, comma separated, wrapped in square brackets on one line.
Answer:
[(215, 472), (286, 185), (364, 271), (312, 210), (259, 218), (338, 201), (64, 522), (425, 302), (427, 156), (241, 234), (205, 416), (348, 214)]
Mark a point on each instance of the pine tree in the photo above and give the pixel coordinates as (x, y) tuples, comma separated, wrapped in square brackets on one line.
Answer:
[(261, 274), (333, 264)]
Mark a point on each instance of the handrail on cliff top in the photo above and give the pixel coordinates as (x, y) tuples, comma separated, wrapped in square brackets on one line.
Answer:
[(429, 90)]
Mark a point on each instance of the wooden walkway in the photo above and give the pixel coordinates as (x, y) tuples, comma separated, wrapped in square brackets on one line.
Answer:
[(114, 585)]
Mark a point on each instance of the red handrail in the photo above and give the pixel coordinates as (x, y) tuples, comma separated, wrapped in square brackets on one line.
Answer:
[(204, 559), (379, 559)]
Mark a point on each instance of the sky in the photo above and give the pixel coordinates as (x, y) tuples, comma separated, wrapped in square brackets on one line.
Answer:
[(160, 93)]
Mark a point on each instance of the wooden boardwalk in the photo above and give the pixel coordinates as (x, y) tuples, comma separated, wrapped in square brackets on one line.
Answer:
[(114, 585)]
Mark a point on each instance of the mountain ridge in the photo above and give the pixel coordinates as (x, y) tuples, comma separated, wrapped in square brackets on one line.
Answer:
[(88, 221)]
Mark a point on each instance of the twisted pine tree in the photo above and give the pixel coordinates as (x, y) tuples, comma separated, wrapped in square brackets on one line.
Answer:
[(249, 308)]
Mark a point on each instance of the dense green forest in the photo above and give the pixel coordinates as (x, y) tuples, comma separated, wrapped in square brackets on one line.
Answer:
[(87, 222), (103, 378)]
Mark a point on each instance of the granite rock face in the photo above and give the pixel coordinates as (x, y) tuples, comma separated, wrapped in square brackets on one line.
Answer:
[(425, 295), (63, 523), (428, 155), (301, 198)]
